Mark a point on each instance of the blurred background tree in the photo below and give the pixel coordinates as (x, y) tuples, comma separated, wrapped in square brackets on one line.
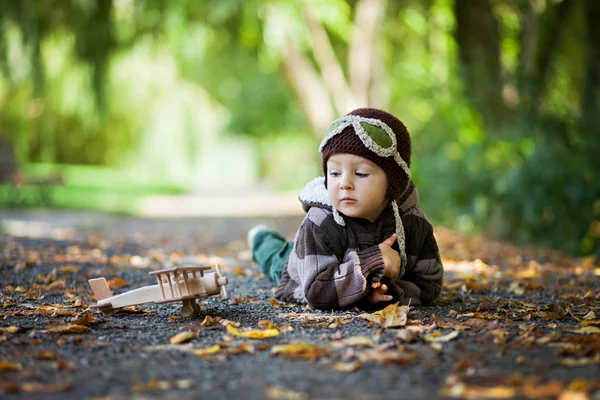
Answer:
[(500, 97)]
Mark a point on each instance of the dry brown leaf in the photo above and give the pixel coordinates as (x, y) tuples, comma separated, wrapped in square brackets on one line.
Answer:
[(587, 330), (155, 384), (266, 324), (84, 319), (68, 328), (7, 365), (280, 393), (226, 322), (116, 283), (407, 335), (53, 311), (303, 351), (354, 341), (280, 304), (45, 355), (347, 366), (437, 337), (542, 390), (183, 337), (35, 387), (64, 365), (590, 316), (580, 362), (385, 356), (392, 316)]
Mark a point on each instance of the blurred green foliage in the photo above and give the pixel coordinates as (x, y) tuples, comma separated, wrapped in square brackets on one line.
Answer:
[(500, 96)]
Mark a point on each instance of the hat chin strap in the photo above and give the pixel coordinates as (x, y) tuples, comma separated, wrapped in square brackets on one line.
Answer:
[(400, 237)]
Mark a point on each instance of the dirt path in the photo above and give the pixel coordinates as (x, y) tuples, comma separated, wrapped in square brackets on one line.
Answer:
[(512, 322)]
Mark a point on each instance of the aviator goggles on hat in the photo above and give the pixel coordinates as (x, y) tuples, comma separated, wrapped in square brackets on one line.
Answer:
[(376, 135)]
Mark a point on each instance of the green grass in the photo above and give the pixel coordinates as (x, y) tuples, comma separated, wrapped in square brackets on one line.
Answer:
[(84, 187)]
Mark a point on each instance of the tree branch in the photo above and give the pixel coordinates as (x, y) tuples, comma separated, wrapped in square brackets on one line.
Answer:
[(313, 96), (363, 52), (333, 74)]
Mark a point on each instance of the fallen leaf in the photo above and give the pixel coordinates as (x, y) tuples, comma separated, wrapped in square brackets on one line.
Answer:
[(280, 393), (208, 351), (116, 283), (183, 337), (354, 341), (589, 316), (303, 351), (542, 390), (6, 365), (45, 355), (280, 304), (580, 362), (407, 335), (160, 384), (347, 366), (437, 337), (587, 330), (35, 387), (253, 333), (68, 328), (10, 329), (392, 316)]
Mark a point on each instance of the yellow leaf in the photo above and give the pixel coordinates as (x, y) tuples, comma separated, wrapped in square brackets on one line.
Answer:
[(589, 316), (6, 365), (437, 337), (347, 366), (254, 333), (10, 329), (303, 351), (68, 328), (580, 362), (280, 393), (588, 330), (182, 337), (208, 351)]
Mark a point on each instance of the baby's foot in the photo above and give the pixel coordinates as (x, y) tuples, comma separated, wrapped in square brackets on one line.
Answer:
[(254, 231)]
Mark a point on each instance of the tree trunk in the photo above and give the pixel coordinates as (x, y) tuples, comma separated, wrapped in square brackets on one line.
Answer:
[(478, 42), (590, 126), (364, 54), (540, 38)]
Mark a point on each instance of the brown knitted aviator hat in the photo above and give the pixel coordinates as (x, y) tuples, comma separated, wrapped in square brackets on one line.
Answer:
[(381, 138), (373, 123)]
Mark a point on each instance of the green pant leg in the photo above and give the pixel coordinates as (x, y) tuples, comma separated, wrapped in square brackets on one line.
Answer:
[(270, 251)]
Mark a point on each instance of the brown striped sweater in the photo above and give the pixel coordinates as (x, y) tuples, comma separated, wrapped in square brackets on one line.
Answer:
[(332, 266)]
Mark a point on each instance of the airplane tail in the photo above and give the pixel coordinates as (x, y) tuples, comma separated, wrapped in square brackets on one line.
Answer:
[(100, 288)]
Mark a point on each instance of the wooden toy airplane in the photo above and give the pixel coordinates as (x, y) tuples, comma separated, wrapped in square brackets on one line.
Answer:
[(180, 283)]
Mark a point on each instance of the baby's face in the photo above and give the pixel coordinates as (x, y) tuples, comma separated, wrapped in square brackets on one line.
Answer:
[(356, 186)]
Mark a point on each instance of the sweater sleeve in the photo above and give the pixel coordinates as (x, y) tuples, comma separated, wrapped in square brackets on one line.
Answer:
[(330, 275), (422, 282)]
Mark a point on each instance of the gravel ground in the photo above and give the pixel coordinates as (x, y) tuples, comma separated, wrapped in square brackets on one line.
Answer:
[(128, 354)]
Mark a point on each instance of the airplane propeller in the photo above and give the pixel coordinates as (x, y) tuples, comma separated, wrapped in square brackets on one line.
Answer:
[(221, 281)]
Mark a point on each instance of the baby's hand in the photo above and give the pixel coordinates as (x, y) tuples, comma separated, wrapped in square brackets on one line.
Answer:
[(378, 293), (391, 258)]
